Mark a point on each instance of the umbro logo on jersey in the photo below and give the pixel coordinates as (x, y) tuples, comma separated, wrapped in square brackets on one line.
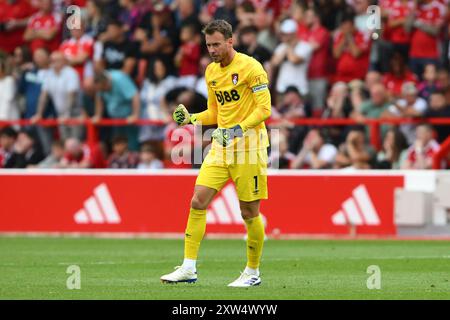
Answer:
[(98, 209), (357, 210), (213, 83), (235, 78)]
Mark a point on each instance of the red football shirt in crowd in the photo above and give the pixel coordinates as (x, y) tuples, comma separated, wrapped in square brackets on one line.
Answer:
[(394, 83), (429, 151), (40, 21), (318, 65), (424, 45), (190, 59), (18, 10), (349, 67), (398, 10), (73, 47)]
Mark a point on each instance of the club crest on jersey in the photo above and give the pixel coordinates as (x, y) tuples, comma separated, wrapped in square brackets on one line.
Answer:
[(235, 78)]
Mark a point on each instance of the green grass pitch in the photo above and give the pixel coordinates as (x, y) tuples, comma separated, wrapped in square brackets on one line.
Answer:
[(35, 268)]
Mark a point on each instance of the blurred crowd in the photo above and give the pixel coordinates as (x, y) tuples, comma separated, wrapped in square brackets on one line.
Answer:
[(138, 59)]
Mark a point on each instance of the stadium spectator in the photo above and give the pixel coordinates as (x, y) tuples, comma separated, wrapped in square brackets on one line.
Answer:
[(157, 35), (280, 156), (8, 105), (227, 12), (53, 160), (14, 15), (188, 56), (420, 153), (355, 153), (153, 91), (248, 44), (292, 106), (439, 108), (121, 157), (429, 83), (116, 51), (315, 153), (148, 158), (350, 49), (393, 152), (397, 76), (339, 106), (26, 151), (96, 23), (292, 57), (200, 85), (395, 28), (8, 137), (319, 39), (338, 103), (78, 51), (29, 86), (129, 15), (76, 155), (22, 60), (443, 78), (44, 27), (373, 107), (119, 97), (62, 85), (425, 22), (186, 13), (409, 106)]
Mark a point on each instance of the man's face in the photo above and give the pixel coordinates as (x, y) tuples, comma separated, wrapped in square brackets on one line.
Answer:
[(6, 142), (57, 60), (40, 58), (378, 95), (218, 46), (309, 18), (114, 32), (423, 134), (437, 101), (410, 98), (288, 37), (120, 148), (248, 39)]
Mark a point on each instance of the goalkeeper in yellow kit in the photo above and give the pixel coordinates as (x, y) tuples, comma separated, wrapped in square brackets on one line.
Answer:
[(238, 102)]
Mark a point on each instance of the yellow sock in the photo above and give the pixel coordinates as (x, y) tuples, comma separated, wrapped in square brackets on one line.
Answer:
[(255, 241), (195, 231)]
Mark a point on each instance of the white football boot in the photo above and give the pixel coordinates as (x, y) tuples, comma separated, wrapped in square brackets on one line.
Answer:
[(246, 280), (180, 275)]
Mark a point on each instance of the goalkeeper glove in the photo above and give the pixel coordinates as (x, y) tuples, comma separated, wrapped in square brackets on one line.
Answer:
[(181, 115), (225, 136)]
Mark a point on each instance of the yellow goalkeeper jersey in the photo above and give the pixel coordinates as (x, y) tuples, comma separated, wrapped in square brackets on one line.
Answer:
[(238, 94)]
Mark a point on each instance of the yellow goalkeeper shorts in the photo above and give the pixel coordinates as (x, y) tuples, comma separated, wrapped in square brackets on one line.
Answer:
[(247, 169)]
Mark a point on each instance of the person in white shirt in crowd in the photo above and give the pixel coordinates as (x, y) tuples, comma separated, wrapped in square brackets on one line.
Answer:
[(420, 154), (292, 57), (62, 85), (315, 153), (148, 159), (8, 107), (409, 106), (154, 89), (200, 84)]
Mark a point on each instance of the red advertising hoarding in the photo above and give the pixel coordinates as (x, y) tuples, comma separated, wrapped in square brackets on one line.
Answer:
[(130, 202)]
